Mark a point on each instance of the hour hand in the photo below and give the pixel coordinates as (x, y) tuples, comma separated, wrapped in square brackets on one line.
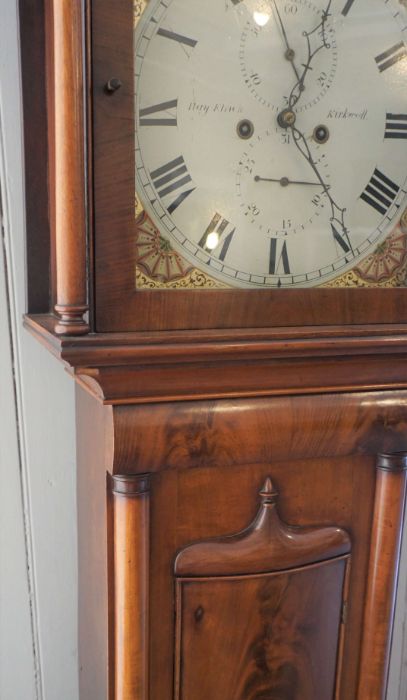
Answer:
[(285, 181)]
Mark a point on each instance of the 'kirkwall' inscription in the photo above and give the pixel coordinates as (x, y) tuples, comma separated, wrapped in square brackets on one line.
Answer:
[(347, 114)]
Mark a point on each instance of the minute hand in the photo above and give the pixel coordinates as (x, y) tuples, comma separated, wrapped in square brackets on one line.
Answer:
[(338, 226), (319, 32)]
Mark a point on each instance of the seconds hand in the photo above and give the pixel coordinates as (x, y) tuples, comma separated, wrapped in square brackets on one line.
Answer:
[(289, 54)]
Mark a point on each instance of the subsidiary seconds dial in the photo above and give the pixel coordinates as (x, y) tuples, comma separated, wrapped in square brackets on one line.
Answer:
[(291, 183), (278, 42)]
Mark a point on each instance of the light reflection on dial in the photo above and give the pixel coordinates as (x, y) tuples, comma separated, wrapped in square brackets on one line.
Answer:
[(263, 52), (191, 158)]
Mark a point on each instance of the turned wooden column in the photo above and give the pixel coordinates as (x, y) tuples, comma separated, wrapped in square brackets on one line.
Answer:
[(68, 154), (385, 546), (131, 509)]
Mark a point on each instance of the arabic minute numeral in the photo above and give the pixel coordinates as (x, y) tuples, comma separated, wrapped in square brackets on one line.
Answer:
[(252, 210), (284, 135), (255, 79), (247, 165), (322, 79)]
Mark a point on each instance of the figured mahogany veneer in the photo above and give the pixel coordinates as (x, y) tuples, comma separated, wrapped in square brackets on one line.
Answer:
[(207, 461), (277, 635), (268, 602)]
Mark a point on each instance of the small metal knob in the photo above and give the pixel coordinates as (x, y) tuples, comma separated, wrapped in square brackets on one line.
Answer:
[(112, 85)]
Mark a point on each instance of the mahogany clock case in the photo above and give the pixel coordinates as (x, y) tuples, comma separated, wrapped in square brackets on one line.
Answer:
[(201, 539), (193, 410), (108, 247)]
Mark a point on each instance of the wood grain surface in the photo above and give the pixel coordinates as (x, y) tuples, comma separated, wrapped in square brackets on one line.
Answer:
[(267, 544), (131, 512), (246, 634), (271, 637), (67, 112), (141, 368), (208, 460), (389, 510), (242, 431), (201, 504)]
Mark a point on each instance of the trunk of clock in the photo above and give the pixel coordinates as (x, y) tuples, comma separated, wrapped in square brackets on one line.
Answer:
[(239, 549)]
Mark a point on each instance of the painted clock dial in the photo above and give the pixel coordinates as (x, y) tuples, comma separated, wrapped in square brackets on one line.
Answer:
[(271, 137)]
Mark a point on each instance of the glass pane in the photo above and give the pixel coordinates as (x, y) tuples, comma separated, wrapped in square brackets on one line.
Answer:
[(271, 143)]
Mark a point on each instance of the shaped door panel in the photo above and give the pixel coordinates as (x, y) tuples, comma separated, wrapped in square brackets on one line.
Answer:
[(259, 613), (265, 637)]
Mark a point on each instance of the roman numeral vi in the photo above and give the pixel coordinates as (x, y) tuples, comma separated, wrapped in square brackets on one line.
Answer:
[(278, 257)]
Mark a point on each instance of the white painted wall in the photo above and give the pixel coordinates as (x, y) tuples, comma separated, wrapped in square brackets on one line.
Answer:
[(38, 554), (15, 617)]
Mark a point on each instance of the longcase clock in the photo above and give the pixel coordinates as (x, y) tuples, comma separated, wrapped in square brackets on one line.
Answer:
[(217, 253)]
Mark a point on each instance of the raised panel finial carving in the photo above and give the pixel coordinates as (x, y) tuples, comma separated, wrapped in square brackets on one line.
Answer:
[(267, 544)]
